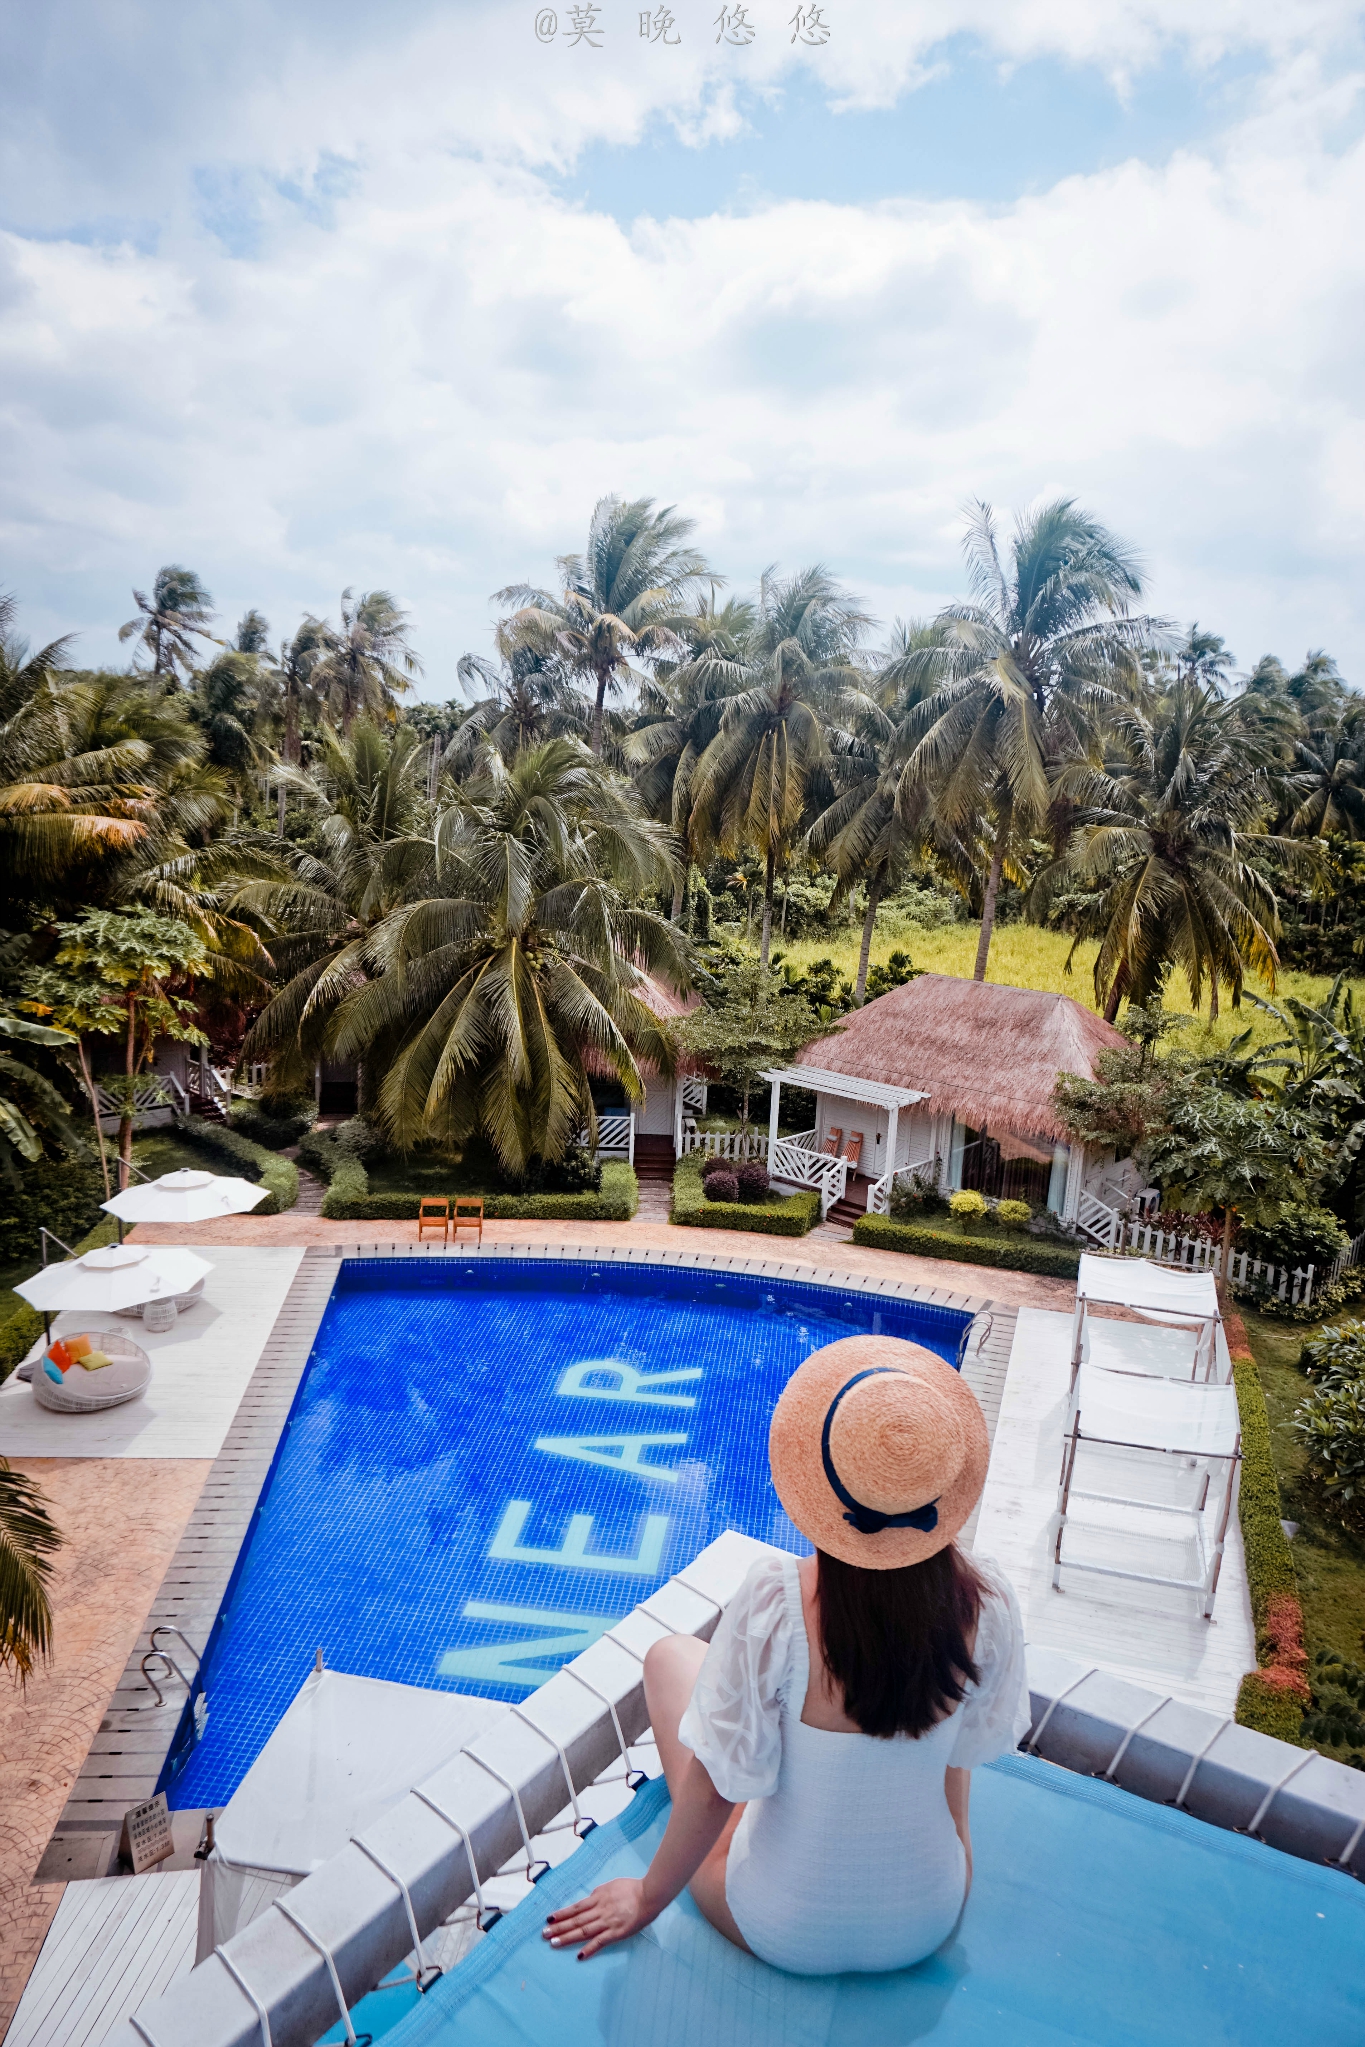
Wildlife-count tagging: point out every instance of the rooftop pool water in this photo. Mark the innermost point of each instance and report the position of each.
(487, 1465)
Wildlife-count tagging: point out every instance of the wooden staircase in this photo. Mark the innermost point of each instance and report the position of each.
(655, 1158)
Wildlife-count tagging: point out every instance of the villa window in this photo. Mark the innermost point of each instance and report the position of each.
(1009, 1167)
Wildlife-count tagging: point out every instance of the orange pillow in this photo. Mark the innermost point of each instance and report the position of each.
(77, 1346)
(61, 1356)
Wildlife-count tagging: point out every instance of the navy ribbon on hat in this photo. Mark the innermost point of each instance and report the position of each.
(868, 1520)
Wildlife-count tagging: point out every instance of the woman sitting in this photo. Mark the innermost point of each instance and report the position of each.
(819, 1752)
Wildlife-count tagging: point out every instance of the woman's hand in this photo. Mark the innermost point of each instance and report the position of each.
(613, 1912)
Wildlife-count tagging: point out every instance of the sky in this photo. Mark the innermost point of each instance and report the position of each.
(305, 297)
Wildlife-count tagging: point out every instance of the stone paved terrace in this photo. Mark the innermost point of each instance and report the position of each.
(123, 1520)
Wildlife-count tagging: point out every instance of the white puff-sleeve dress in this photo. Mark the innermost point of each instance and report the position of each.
(846, 1856)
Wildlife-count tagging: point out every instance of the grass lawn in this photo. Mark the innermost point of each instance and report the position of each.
(415, 1174)
(1330, 1563)
(1023, 956)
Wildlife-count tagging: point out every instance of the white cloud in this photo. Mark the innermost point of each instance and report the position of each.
(425, 379)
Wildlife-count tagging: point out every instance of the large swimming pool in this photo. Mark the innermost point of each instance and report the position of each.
(488, 1464)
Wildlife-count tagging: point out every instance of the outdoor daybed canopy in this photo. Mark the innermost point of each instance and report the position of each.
(1177, 1333)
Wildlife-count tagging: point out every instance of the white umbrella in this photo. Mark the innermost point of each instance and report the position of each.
(185, 1197)
(117, 1276)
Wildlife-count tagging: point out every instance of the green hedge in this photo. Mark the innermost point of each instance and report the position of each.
(19, 1328)
(348, 1200)
(1020, 1253)
(1264, 1705)
(63, 1194)
(1270, 1561)
(1272, 1698)
(276, 1133)
(251, 1161)
(788, 1215)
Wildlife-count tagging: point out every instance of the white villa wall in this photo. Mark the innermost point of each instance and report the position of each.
(654, 1118)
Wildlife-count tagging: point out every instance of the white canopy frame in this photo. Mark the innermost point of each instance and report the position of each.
(790, 1160)
(1177, 1333)
(1170, 1433)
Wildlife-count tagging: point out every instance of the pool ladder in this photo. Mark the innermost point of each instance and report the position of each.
(169, 1665)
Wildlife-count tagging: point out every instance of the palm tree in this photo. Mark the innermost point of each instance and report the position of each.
(755, 778)
(491, 1002)
(1168, 837)
(27, 1542)
(532, 697)
(31, 1108)
(680, 713)
(226, 703)
(1021, 671)
(66, 800)
(1326, 784)
(368, 661)
(864, 835)
(178, 612)
(618, 600)
(376, 849)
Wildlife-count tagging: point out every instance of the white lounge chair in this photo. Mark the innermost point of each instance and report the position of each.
(1149, 1469)
(1169, 1326)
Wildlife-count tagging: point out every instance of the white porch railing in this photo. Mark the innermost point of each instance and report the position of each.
(880, 1192)
(793, 1159)
(155, 1099)
(615, 1138)
(727, 1144)
(802, 1166)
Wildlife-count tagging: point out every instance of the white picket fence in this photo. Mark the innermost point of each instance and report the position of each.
(1205, 1254)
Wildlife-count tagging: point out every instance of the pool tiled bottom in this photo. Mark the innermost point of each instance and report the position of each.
(486, 1467)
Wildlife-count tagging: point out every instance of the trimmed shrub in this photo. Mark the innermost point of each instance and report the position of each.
(721, 1187)
(717, 1164)
(249, 1161)
(615, 1201)
(63, 1194)
(578, 1172)
(1335, 1356)
(1012, 1253)
(1013, 1215)
(788, 1215)
(753, 1181)
(1269, 1701)
(276, 1129)
(1271, 1698)
(1330, 1423)
(967, 1206)
(916, 1199)
(1300, 1237)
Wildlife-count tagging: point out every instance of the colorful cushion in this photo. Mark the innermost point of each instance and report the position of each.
(60, 1355)
(78, 1345)
(95, 1360)
(52, 1371)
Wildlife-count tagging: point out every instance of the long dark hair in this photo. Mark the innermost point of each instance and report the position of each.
(897, 1641)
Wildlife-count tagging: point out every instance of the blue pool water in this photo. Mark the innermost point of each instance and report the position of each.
(486, 1466)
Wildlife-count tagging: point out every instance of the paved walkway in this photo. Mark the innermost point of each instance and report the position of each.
(825, 1248)
(121, 1520)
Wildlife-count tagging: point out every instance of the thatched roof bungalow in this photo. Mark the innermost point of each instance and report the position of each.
(972, 1067)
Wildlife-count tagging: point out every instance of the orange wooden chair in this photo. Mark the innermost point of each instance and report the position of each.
(833, 1139)
(468, 1215)
(853, 1150)
(433, 1214)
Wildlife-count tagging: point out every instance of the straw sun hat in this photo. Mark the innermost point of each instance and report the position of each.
(878, 1451)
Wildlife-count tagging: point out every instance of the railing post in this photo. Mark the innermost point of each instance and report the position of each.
(630, 1141)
